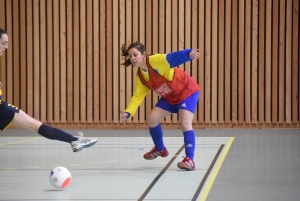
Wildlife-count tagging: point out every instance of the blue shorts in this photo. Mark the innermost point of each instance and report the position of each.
(7, 113)
(190, 104)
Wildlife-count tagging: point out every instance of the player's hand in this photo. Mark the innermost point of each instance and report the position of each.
(194, 54)
(123, 117)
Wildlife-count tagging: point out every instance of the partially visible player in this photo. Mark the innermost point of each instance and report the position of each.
(11, 115)
(178, 91)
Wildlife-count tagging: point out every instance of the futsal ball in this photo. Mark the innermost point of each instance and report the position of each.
(60, 177)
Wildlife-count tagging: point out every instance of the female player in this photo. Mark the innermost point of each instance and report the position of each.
(178, 93)
(11, 115)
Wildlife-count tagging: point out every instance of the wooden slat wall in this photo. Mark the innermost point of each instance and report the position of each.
(63, 62)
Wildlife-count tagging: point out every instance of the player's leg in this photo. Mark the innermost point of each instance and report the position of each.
(159, 112)
(186, 114)
(23, 120)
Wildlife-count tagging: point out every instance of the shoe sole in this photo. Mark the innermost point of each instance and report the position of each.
(85, 146)
(180, 166)
(155, 157)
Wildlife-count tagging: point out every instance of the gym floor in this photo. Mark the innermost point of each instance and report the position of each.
(232, 164)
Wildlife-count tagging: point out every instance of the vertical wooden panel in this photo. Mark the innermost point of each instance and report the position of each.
(254, 61)
(49, 81)
(15, 55)
(181, 11)
(36, 60)
(123, 34)
(268, 62)
(109, 56)
(56, 64)
(187, 32)
(69, 21)
(43, 57)
(214, 62)
(135, 24)
(96, 65)
(29, 46)
(23, 90)
(103, 61)
(288, 63)
(208, 62)
(248, 50)
(115, 65)
(261, 62)
(63, 61)
(241, 62)
(295, 63)
(221, 63)
(275, 50)
(76, 56)
(89, 61)
(201, 63)
(234, 62)
(227, 61)
(83, 62)
(281, 56)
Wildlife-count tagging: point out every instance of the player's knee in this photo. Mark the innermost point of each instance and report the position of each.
(152, 121)
(186, 125)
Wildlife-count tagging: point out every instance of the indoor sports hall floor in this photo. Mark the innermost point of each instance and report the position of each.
(232, 164)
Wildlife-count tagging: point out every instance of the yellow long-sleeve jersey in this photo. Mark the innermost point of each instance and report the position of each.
(160, 64)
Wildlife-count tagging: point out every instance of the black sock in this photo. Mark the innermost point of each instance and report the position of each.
(55, 134)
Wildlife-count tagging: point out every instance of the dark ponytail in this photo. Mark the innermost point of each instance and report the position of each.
(139, 46)
(125, 54)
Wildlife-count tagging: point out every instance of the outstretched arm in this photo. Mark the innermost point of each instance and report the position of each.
(180, 57)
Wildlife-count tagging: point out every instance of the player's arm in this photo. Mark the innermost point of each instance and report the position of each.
(180, 57)
(137, 98)
(163, 62)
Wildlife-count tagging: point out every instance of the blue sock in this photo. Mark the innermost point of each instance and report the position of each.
(55, 134)
(189, 143)
(157, 137)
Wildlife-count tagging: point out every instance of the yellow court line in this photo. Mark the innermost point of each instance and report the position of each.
(215, 172)
(19, 142)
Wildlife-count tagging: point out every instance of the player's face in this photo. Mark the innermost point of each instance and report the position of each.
(3, 44)
(136, 57)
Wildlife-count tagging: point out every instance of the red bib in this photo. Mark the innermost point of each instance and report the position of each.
(174, 91)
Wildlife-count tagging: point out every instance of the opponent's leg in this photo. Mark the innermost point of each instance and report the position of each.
(156, 133)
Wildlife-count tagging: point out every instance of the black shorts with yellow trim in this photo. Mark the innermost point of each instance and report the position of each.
(7, 113)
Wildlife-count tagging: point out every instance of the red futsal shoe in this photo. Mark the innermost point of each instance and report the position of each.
(154, 153)
(187, 164)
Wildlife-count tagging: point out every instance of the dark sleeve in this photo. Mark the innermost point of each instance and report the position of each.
(178, 58)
